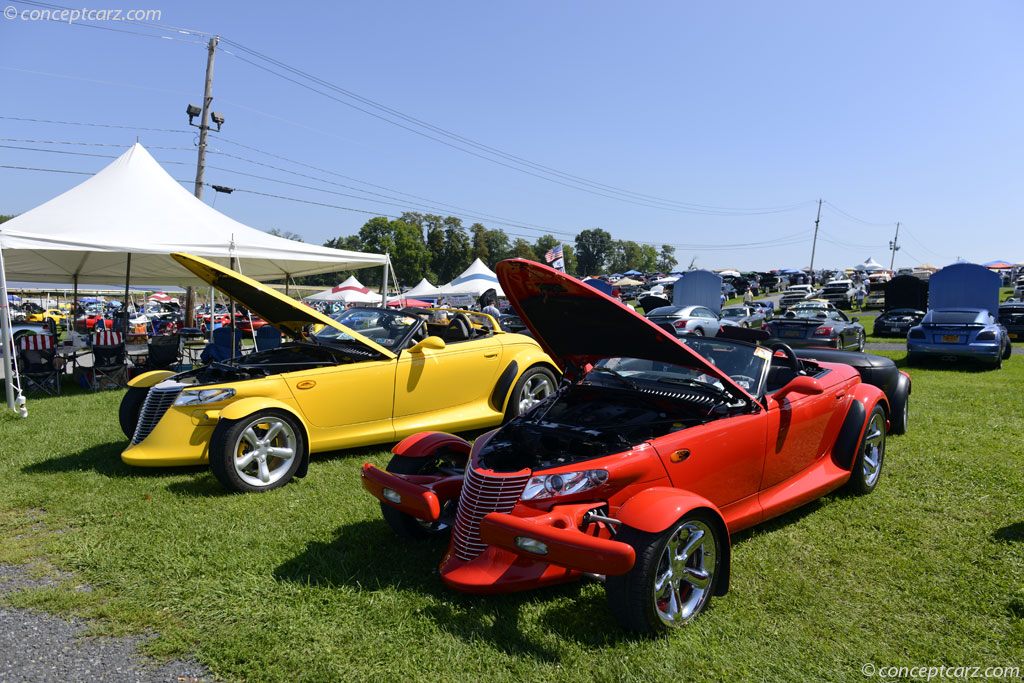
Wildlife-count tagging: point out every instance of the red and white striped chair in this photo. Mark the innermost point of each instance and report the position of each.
(37, 363)
(110, 360)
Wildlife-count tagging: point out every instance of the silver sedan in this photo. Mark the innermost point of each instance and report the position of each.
(696, 320)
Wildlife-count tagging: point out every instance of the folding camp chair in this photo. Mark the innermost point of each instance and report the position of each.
(163, 352)
(267, 337)
(110, 361)
(37, 361)
(220, 349)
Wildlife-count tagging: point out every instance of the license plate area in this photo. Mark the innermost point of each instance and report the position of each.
(792, 333)
(950, 338)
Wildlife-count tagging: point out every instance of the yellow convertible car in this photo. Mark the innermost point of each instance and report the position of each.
(370, 375)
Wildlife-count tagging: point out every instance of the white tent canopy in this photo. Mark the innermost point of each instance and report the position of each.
(351, 291)
(422, 290)
(133, 206)
(473, 281)
(869, 265)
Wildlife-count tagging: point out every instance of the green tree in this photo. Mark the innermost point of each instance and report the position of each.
(498, 246)
(287, 234)
(4, 219)
(570, 259)
(666, 259)
(479, 250)
(455, 250)
(648, 258)
(592, 248)
(522, 249)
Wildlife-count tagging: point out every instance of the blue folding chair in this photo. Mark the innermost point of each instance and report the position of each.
(267, 337)
(220, 349)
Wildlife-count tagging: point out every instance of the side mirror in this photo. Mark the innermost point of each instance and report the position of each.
(853, 320)
(801, 385)
(432, 343)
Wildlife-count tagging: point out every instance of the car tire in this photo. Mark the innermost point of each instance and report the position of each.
(131, 406)
(697, 332)
(900, 405)
(861, 341)
(1008, 351)
(867, 467)
(536, 384)
(912, 360)
(254, 469)
(998, 363)
(634, 598)
(405, 525)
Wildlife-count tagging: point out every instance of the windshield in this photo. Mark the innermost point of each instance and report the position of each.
(806, 313)
(387, 328)
(1011, 316)
(746, 364)
(734, 313)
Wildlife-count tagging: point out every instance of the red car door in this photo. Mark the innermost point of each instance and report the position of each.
(797, 428)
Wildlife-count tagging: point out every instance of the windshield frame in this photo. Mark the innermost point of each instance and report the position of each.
(330, 336)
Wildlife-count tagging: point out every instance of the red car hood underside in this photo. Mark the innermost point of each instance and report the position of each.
(576, 324)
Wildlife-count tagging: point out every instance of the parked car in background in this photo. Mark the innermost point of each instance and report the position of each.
(652, 452)
(842, 293)
(696, 320)
(961, 322)
(794, 294)
(371, 375)
(744, 315)
(897, 322)
(816, 324)
(875, 297)
(1011, 316)
(54, 314)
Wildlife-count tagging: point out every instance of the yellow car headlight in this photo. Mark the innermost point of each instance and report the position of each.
(194, 397)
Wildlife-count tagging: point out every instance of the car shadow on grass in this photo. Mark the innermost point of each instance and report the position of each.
(1010, 532)
(103, 459)
(363, 554)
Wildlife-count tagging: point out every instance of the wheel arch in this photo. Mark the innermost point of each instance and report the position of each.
(424, 444)
(247, 406)
(524, 362)
(655, 509)
(149, 379)
(863, 401)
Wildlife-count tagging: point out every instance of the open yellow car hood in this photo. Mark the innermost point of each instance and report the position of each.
(283, 312)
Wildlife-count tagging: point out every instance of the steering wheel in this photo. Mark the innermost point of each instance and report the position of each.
(794, 362)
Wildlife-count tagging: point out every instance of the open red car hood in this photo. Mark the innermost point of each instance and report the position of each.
(576, 324)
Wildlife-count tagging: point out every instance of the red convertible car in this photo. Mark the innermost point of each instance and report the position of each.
(651, 453)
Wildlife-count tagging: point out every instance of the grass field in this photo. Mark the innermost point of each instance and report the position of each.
(308, 583)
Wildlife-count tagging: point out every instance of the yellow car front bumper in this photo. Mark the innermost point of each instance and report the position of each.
(181, 437)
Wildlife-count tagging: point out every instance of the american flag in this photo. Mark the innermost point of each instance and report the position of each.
(553, 254)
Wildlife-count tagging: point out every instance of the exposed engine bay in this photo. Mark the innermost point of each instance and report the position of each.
(582, 422)
(287, 358)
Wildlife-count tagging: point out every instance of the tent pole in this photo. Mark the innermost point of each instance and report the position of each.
(384, 282)
(231, 305)
(5, 336)
(74, 304)
(287, 278)
(127, 279)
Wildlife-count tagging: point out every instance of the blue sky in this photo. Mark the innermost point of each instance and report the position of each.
(889, 111)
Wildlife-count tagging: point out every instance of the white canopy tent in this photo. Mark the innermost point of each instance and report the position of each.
(473, 281)
(351, 291)
(869, 265)
(123, 223)
(423, 290)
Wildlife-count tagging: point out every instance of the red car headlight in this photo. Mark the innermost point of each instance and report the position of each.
(551, 485)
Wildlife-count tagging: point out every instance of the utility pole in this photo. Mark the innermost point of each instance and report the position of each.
(895, 246)
(814, 244)
(204, 127)
(204, 122)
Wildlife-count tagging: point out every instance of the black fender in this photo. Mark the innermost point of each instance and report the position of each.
(504, 385)
(845, 448)
(898, 399)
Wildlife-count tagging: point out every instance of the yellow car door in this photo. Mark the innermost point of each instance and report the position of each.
(346, 405)
(450, 385)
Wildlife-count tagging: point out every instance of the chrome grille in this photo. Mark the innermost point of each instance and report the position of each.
(156, 404)
(481, 495)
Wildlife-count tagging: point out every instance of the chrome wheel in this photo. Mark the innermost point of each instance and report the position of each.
(685, 574)
(873, 449)
(264, 451)
(535, 389)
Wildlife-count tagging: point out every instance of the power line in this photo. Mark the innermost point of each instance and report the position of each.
(839, 211)
(91, 144)
(464, 144)
(97, 125)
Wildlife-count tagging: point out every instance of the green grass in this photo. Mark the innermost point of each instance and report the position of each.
(307, 582)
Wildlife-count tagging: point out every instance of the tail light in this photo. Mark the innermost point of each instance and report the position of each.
(764, 327)
(987, 335)
(823, 332)
(680, 324)
(916, 333)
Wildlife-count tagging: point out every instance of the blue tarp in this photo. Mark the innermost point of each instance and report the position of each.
(600, 285)
(964, 285)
